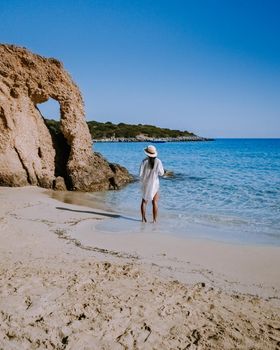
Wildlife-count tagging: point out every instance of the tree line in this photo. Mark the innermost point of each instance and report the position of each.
(100, 130)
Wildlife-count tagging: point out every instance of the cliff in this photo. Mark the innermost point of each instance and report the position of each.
(29, 153)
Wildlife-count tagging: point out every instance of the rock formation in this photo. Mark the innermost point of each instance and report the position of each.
(32, 154)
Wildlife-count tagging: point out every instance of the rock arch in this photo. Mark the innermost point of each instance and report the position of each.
(28, 150)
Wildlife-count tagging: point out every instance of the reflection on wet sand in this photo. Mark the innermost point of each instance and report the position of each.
(86, 199)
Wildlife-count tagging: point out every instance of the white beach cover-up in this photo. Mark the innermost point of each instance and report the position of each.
(149, 178)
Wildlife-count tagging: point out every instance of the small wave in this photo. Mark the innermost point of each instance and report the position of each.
(183, 177)
(194, 178)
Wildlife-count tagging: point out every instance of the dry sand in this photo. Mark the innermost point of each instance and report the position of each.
(65, 285)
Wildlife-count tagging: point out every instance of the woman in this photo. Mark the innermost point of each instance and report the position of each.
(151, 168)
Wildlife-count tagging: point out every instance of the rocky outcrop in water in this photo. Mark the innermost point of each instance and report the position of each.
(31, 153)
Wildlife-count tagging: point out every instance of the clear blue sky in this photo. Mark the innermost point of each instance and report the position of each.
(211, 67)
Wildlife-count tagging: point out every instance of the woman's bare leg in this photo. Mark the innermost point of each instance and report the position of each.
(143, 210)
(155, 207)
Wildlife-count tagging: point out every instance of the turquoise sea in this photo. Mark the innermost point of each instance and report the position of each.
(226, 190)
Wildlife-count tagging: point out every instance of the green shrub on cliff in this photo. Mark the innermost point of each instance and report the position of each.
(105, 130)
(100, 130)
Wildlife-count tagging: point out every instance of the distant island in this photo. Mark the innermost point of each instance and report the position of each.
(110, 132)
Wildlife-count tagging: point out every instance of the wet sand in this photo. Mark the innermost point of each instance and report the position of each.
(67, 285)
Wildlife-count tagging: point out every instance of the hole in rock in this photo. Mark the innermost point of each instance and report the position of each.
(50, 111)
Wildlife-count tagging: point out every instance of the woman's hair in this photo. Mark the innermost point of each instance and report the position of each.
(151, 162)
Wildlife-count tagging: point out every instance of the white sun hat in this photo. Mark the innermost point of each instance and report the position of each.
(150, 151)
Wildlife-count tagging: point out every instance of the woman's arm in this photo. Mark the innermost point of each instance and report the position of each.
(141, 170)
(160, 168)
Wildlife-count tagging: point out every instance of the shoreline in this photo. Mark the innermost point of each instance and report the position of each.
(130, 221)
(244, 266)
(58, 289)
(155, 140)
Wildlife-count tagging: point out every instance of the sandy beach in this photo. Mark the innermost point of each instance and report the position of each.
(65, 284)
